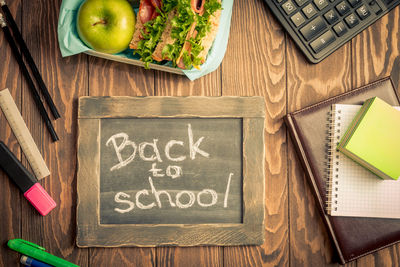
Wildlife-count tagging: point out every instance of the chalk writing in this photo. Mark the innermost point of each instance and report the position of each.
(168, 147)
(193, 147)
(119, 200)
(174, 171)
(125, 142)
(178, 203)
(171, 170)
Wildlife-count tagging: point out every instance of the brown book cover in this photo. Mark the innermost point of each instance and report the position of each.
(352, 237)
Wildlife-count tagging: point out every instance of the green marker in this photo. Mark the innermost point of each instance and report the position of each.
(37, 252)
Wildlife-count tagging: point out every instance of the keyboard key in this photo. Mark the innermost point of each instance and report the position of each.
(313, 28)
(310, 10)
(298, 19)
(355, 3)
(322, 41)
(331, 16)
(301, 2)
(321, 4)
(289, 7)
(343, 8)
(375, 7)
(388, 2)
(351, 20)
(363, 12)
(340, 29)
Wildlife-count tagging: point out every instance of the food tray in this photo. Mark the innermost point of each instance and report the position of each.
(70, 43)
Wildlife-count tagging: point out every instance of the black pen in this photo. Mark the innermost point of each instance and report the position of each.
(31, 85)
(29, 59)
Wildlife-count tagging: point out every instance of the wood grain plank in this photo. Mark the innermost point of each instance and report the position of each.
(167, 84)
(255, 65)
(108, 78)
(10, 196)
(312, 244)
(377, 50)
(66, 80)
(307, 84)
(140, 257)
(376, 53)
(169, 107)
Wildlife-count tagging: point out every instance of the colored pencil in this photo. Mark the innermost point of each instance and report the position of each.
(31, 85)
(25, 51)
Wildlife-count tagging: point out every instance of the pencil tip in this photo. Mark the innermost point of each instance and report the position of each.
(2, 21)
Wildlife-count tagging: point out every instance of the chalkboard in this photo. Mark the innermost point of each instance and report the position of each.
(165, 170)
(170, 171)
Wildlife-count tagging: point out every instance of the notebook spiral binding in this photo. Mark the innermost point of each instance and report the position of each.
(332, 159)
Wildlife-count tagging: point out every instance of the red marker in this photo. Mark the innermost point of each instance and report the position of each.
(28, 184)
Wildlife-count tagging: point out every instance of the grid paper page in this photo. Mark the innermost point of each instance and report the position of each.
(355, 190)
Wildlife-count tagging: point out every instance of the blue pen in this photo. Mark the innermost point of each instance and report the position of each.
(37, 252)
(27, 261)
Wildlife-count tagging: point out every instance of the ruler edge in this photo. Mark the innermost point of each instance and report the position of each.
(42, 171)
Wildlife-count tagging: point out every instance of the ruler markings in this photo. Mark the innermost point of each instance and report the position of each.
(23, 135)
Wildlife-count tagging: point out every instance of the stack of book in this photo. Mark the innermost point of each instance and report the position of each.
(358, 201)
(363, 160)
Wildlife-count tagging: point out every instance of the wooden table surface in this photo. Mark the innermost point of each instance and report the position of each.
(260, 60)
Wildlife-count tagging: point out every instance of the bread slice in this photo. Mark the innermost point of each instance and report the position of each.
(187, 46)
(210, 36)
(165, 38)
(137, 35)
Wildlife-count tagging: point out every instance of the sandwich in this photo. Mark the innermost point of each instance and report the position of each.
(181, 31)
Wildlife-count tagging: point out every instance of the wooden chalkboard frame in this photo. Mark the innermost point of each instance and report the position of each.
(90, 233)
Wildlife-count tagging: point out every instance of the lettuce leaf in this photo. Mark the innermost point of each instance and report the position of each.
(153, 31)
(180, 28)
(203, 27)
(181, 25)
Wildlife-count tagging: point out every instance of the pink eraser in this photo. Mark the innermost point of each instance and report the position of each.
(40, 199)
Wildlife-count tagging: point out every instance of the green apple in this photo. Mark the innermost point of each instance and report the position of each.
(106, 25)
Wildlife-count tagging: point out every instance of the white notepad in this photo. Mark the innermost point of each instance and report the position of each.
(352, 189)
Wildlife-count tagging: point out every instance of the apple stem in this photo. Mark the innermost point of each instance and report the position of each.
(100, 22)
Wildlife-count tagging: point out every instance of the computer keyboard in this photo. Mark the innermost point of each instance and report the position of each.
(319, 27)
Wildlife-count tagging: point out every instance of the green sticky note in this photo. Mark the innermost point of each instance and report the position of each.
(373, 139)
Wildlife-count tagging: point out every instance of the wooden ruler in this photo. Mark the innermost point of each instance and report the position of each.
(23, 135)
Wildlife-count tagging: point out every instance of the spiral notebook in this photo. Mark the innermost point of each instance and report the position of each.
(353, 237)
(352, 190)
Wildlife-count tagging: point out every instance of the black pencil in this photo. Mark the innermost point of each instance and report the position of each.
(29, 59)
(31, 85)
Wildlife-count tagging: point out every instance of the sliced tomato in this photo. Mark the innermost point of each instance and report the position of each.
(156, 3)
(154, 15)
(180, 63)
(146, 10)
(197, 6)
